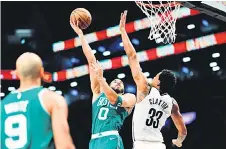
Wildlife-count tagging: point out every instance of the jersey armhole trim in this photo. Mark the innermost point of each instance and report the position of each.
(94, 100)
(174, 102)
(149, 91)
(41, 100)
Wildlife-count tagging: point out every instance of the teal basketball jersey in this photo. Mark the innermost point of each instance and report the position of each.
(105, 116)
(25, 123)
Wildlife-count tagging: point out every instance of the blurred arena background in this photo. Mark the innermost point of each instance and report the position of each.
(198, 58)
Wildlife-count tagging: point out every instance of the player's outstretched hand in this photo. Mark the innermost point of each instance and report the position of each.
(98, 69)
(177, 143)
(122, 23)
(76, 28)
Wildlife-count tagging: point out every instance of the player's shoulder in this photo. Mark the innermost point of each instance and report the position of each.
(174, 101)
(49, 93)
(7, 98)
(129, 95)
(53, 98)
(175, 107)
(154, 90)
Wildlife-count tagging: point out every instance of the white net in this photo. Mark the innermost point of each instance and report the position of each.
(162, 17)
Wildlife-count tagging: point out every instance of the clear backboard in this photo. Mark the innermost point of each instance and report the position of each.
(216, 9)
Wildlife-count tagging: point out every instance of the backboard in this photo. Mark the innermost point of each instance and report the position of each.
(216, 9)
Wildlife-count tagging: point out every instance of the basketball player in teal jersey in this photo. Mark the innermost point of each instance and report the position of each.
(33, 117)
(110, 106)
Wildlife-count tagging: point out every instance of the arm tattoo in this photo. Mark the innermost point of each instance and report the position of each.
(142, 95)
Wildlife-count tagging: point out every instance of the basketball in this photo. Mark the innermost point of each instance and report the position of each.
(83, 16)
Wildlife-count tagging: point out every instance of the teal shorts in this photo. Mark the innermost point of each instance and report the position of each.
(107, 142)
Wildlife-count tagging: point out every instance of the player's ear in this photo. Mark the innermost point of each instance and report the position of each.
(14, 72)
(42, 72)
(158, 84)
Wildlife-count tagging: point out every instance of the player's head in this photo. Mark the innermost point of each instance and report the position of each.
(29, 66)
(118, 86)
(164, 81)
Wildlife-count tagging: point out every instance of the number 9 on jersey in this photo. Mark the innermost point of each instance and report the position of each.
(16, 131)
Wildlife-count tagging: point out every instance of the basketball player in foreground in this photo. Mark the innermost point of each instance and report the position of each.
(110, 106)
(33, 117)
(154, 105)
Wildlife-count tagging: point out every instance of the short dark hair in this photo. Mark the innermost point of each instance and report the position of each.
(167, 80)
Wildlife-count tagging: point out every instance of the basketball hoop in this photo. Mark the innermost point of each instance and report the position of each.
(162, 16)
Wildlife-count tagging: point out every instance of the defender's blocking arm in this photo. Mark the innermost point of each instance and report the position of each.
(138, 76)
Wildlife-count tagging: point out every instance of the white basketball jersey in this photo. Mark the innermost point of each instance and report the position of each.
(150, 116)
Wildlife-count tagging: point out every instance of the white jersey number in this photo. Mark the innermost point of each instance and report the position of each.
(103, 113)
(154, 117)
(16, 126)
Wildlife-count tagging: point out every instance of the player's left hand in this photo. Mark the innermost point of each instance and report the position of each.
(177, 143)
(98, 69)
(122, 23)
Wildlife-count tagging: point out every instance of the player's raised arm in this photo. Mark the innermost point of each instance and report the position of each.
(58, 110)
(138, 76)
(126, 100)
(89, 56)
(179, 123)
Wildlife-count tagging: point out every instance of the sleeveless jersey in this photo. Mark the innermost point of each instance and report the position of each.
(150, 115)
(25, 122)
(105, 116)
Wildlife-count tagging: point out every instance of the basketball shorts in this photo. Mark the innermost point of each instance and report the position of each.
(148, 145)
(110, 141)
